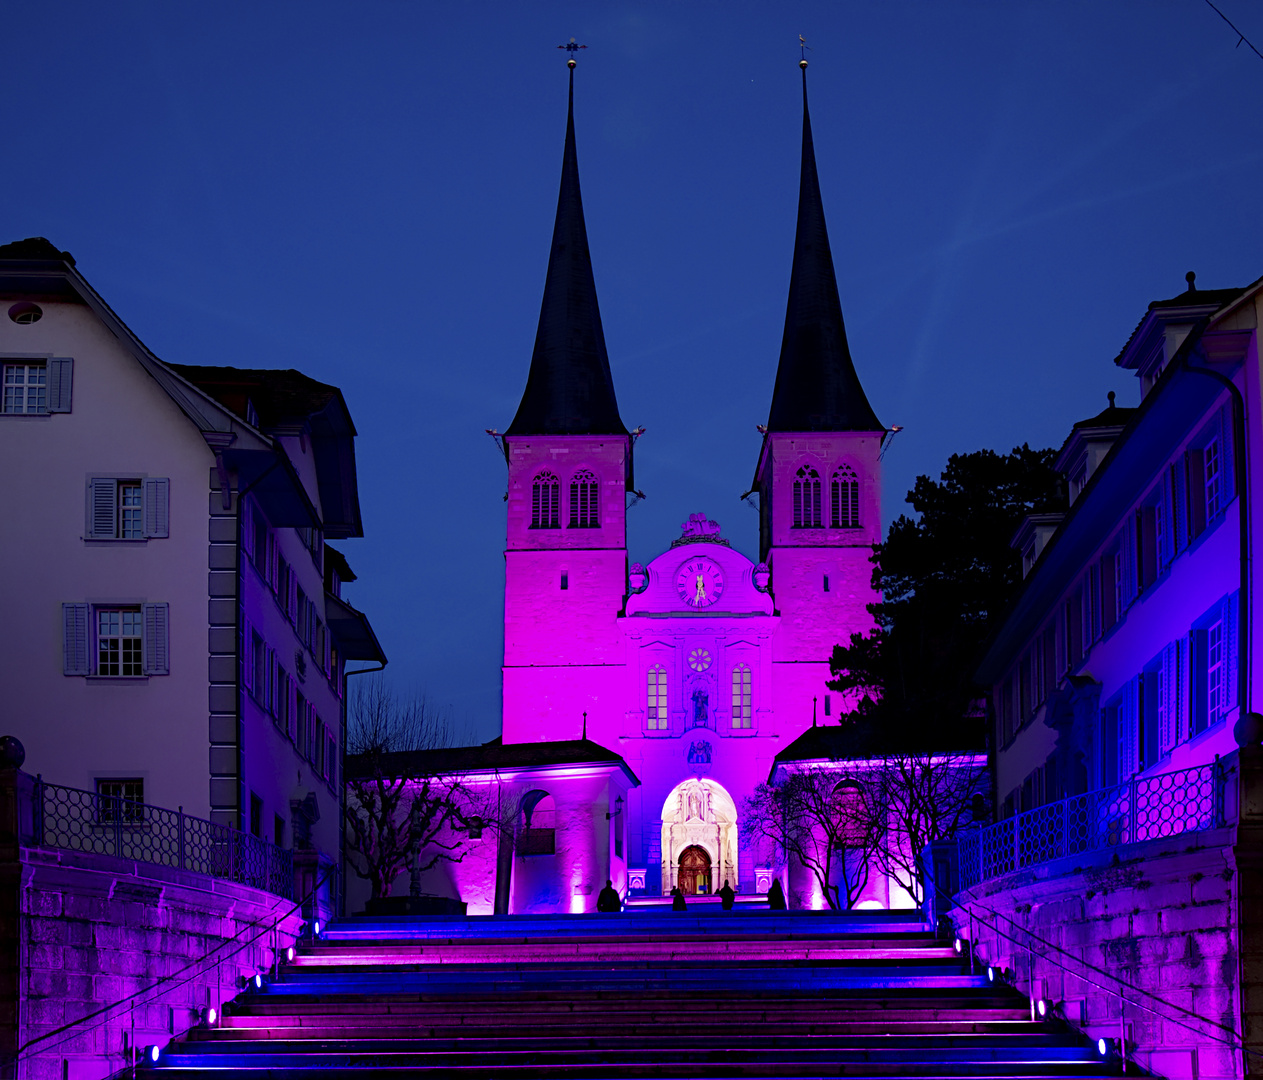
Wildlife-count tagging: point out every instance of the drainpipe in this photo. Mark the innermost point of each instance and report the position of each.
(342, 861)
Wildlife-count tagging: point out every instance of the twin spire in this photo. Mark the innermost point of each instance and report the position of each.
(570, 390)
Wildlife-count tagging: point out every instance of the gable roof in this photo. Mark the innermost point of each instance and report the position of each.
(492, 756)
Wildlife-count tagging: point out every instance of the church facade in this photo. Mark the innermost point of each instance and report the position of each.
(699, 667)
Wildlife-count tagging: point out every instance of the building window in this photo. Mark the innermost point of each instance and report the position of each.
(1214, 478)
(656, 711)
(120, 800)
(25, 389)
(845, 491)
(119, 642)
(119, 509)
(546, 502)
(807, 499)
(584, 496)
(741, 712)
(537, 835)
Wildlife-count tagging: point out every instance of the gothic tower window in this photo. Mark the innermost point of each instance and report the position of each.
(741, 712)
(807, 499)
(845, 489)
(546, 502)
(584, 492)
(656, 711)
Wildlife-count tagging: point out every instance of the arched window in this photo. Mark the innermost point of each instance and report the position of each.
(546, 502)
(584, 492)
(656, 709)
(851, 809)
(807, 499)
(537, 832)
(741, 712)
(846, 498)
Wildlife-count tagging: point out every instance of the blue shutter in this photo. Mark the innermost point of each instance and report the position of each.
(157, 645)
(60, 369)
(1227, 458)
(1231, 671)
(1166, 703)
(1128, 716)
(157, 506)
(102, 508)
(74, 620)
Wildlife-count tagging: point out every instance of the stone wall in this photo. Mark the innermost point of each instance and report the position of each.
(1161, 915)
(95, 930)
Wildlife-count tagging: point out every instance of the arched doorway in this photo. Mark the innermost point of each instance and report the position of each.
(698, 813)
(694, 875)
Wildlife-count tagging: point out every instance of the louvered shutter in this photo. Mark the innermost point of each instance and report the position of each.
(1128, 716)
(60, 369)
(157, 645)
(74, 619)
(1128, 547)
(157, 498)
(247, 657)
(1227, 459)
(1166, 702)
(1231, 671)
(102, 509)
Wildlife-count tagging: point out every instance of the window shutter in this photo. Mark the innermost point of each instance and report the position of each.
(1227, 459)
(60, 369)
(102, 508)
(1195, 478)
(1179, 509)
(157, 645)
(1230, 628)
(1127, 744)
(157, 507)
(247, 656)
(74, 618)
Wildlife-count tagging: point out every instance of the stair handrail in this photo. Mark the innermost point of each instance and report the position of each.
(174, 978)
(1236, 1041)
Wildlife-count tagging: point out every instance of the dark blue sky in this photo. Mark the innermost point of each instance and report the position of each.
(366, 192)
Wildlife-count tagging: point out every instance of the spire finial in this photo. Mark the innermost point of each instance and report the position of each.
(585, 714)
(1191, 278)
(571, 48)
(803, 48)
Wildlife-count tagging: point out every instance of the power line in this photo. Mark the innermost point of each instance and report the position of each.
(1240, 36)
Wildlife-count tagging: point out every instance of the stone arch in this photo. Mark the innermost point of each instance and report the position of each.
(699, 812)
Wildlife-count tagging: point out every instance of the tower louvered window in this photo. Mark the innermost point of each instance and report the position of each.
(656, 711)
(546, 502)
(807, 508)
(741, 712)
(845, 490)
(584, 495)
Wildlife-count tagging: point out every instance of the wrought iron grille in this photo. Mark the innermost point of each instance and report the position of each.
(1145, 808)
(110, 825)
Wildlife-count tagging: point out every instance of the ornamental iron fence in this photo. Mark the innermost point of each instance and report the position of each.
(78, 820)
(1144, 808)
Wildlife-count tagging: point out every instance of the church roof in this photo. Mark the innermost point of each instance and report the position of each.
(816, 385)
(495, 754)
(569, 390)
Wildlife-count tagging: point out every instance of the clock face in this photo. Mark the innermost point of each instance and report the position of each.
(699, 582)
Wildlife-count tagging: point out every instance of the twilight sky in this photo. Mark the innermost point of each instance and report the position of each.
(366, 193)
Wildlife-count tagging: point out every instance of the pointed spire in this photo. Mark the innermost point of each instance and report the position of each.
(569, 390)
(816, 385)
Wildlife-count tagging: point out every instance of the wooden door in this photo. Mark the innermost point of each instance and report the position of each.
(694, 871)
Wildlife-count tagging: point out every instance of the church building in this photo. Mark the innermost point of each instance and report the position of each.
(675, 683)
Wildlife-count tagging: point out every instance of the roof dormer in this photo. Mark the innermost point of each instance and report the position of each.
(1032, 537)
(1090, 440)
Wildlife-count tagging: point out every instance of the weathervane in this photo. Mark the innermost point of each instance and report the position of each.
(571, 48)
(803, 47)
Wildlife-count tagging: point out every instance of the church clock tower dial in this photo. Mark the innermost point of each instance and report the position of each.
(699, 582)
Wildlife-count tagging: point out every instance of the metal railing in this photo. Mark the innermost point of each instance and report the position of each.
(78, 820)
(1144, 808)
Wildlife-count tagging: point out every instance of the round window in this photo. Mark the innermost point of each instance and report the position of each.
(699, 659)
(26, 312)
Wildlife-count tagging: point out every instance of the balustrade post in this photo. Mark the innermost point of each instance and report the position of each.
(180, 835)
(117, 802)
(37, 815)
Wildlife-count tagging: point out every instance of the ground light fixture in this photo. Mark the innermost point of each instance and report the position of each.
(958, 946)
(151, 1054)
(991, 974)
(289, 953)
(258, 982)
(315, 928)
(209, 1015)
(1041, 1007)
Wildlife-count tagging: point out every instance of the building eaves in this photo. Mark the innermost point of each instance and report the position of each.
(492, 756)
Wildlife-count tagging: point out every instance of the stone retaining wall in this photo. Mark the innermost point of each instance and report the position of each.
(1160, 915)
(95, 930)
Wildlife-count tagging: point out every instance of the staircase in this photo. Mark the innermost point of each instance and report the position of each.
(647, 993)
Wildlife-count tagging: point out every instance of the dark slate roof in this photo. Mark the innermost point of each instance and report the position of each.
(816, 385)
(35, 249)
(1112, 416)
(279, 396)
(569, 390)
(493, 755)
(830, 743)
(1198, 301)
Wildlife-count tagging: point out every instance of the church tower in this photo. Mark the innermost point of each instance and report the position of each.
(570, 466)
(818, 475)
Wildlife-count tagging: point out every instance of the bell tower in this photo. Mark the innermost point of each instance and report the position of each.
(570, 466)
(818, 476)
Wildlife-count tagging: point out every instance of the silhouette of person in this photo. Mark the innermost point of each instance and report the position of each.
(727, 896)
(608, 899)
(776, 896)
(677, 902)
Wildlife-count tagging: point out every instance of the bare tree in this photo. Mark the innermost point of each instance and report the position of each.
(830, 822)
(402, 805)
(928, 797)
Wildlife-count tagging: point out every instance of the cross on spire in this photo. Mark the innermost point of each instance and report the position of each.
(571, 48)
